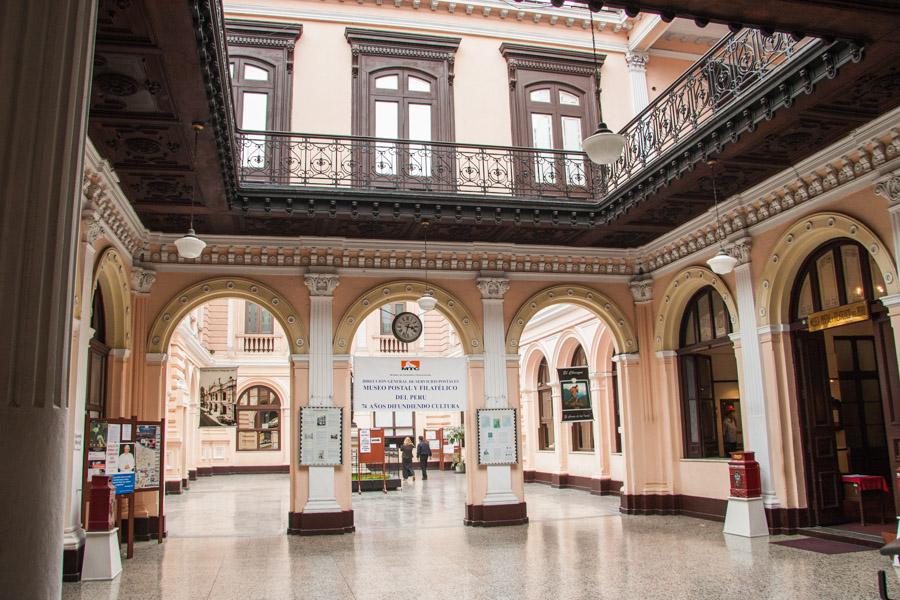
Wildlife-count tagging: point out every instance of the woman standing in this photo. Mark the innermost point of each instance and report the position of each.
(406, 452)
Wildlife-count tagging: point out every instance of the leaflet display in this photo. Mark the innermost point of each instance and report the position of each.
(497, 443)
(129, 452)
(321, 431)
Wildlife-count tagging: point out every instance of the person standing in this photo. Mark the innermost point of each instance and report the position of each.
(406, 455)
(424, 452)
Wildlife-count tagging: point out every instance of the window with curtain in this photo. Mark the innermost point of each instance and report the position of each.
(583, 431)
(258, 419)
(257, 319)
(546, 436)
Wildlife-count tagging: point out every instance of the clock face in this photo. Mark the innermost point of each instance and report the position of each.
(407, 327)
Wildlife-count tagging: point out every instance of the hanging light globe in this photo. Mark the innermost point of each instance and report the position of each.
(722, 263)
(603, 147)
(427, 301)
(190, 246)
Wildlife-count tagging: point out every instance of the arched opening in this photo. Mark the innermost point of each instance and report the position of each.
(848, 389)
(98, 354)
(566, 338)
(710, 398)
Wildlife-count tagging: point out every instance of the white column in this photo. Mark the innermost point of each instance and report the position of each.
(499, 478)
(46, 47)
(637, 73)
(753, 390)
(321, 381)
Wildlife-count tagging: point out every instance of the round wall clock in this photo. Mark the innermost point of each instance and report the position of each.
(407, 327)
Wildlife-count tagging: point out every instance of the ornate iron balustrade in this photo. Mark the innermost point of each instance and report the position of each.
(727, 73)
(376, 164)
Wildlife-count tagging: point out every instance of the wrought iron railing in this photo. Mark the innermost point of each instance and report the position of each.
(373, 164)
(728, 72)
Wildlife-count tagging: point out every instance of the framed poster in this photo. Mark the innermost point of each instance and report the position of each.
(575, 388)
(218, 397)
(497, 442)
(148, 452)
(321, 436)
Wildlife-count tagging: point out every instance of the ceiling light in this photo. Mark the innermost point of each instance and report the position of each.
(190, 246)
(722, 263)
(603, 146)
(427, 301)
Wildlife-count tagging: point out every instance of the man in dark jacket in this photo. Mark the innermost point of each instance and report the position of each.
(424, 452)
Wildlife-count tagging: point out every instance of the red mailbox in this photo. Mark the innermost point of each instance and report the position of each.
(743, 473)
(101, 515)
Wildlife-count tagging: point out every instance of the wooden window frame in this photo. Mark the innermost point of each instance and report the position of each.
(544, 387)
(239, 408)
(247, 308)
(374, 51)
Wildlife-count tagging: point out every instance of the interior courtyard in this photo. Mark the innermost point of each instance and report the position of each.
(487, 299)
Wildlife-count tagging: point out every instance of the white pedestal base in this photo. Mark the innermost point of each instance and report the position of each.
(746, 517)
(102, 560)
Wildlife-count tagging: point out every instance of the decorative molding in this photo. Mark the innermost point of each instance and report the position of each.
(679, 292)
(492, 287)
(111, 276)
(262, 34)
(596, 302)
(225, 287)
(740, 250)
(321, 284)
(398, 44)
(548, 60)
(637, 61)
(142, 280)
(468, 329)
(641, 289)
(889, 187)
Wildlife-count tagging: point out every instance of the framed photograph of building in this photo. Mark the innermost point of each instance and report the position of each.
(218, 397)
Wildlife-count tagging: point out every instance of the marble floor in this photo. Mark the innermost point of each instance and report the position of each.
(226, 541)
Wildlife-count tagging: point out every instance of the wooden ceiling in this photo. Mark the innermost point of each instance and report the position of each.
(150, 84)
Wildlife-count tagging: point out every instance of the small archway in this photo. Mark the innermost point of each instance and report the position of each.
(111, 278)
(679, 292)
(225, 287)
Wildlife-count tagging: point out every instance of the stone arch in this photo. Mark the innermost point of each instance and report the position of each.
(113, 280)
(531, 363)
(787, 257)
(225, 287)
(680, 291)
(602, 350)
(396, 291)
(599, 304)
(564, 348)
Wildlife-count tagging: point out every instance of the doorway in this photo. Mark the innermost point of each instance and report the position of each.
(848, 393)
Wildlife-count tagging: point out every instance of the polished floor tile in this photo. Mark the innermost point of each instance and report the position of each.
(227, 541)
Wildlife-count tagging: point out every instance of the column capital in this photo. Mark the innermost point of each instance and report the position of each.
(142, 280)
(740, 249)
(156, 358)
(492, 287)
(637, 61)
(627, 359)
(321, 284)
(888, 187)
(93, 230)
(641, 289)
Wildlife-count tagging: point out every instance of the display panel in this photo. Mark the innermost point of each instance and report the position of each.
(497, 441)
(576, 394)
(321, 436)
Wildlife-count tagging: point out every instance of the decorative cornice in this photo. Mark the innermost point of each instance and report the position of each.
(321, 284)
(262, 34)
(641, 289)
(492, 287)
(889, 187)
(740, 250)
(549, 60)
(142, 280)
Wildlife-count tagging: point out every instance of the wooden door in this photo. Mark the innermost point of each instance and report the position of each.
(824, 489)
(886, 355)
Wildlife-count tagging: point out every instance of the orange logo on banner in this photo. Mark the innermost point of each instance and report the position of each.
(409, 365)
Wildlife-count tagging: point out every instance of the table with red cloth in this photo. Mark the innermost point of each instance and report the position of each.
(866, 483)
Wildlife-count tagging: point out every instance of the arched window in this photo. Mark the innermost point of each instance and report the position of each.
(710, 401)
(583, 431)
(98, 351)
(839, 273)
(546, 437)
(259, 419)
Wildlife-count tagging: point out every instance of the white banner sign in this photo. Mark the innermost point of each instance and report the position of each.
(403, 384)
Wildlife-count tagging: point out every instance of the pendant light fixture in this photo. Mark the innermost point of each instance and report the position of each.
(603, 147)
(427, 301)
(722, 263)
(190, 246)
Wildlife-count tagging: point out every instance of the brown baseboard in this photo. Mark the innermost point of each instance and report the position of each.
(184, 484)
(242, 470)
(192, 474)
(786, 521)
(73, 559)
(321, 523)
(173, 487)
(480, 515)
(595, 485)
(648, 504)
(145, 529)
(711, 509)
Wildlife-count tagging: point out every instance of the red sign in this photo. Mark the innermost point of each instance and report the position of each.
(371, 446)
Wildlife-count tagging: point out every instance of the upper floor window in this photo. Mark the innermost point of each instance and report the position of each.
(546, 435)
(257, 319)
(258, 419)
(387, 314)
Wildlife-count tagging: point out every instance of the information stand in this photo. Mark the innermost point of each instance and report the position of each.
(435, 439)
(130, 451)
(371, 452)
